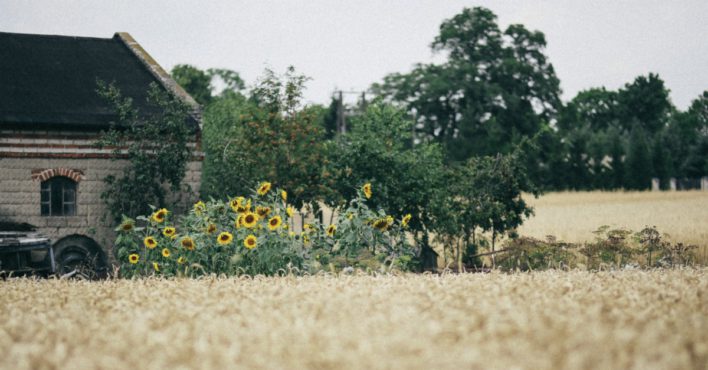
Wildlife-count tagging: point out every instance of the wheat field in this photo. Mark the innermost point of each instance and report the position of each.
(572, 216)
(637, 319)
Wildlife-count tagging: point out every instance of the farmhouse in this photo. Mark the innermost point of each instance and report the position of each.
(51, 174)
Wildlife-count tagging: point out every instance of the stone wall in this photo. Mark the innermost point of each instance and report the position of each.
(27, 158)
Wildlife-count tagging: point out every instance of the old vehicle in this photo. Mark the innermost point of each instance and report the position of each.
(23, 251)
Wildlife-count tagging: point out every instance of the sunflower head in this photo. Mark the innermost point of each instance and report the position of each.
(150, 242)
(406, 219)
(156, 266)
(331, 230)
(127, 225)
(290, 211)
(159, 215)
(367, 190)
(169, 232)
(264, 188)
(274, 223)
(211, 228)
(250, 241)
(199, 208)
(236, 203)
(262, 211)
(224, 238)
(181, 260)
(284, 195)
(187, 243)
(166, 253)
(133, 258)
(249, 220)
(380, 224)
(244, 207)
(389, 221)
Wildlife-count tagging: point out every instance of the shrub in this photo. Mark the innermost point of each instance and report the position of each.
(253, 235)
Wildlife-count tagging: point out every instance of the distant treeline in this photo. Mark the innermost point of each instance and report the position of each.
(498, 87)
(497, 90)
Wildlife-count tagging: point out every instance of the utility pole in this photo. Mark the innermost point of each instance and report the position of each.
(341, 124)
(341, 114)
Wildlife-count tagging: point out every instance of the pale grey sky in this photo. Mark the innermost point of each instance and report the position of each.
(350, 44)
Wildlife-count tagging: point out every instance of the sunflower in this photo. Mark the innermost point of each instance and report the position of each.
(262, 211)
(211, 228)
(406, 219)
(181, 260)
(305, 238)
(166, 253)
(133, 258)
(284, 195)
(367, 190)
(127, 225)
(188, 243)
(331, 229)
(290, 211)
(389, 221)
(307, 227)
(169, 232)
(235, 204)
(264, 188)
(156, 266)
(250, 241)
(244, 207)
(199, 207)
(150, 242)
(159, 215)
(249, 220)
(224, 238)
(274, 223)
(380, 224)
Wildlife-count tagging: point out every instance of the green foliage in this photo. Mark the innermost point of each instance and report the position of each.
(377, 150)
(494, 89)
(214, 239)
(153, 142)
(486, 195)
(200, 84)
(638, 169)
(267, 136)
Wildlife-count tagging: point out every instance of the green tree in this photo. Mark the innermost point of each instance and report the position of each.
(494, 89)
(485, 195)
(405, 180)
(195, 81)
(200, 84)
(638, 168)
(155, 144)
(269, 136)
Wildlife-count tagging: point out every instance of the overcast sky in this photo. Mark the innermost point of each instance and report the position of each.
(350, 44)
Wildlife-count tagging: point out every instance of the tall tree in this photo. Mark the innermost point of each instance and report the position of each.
(494, 89)
(638, 167)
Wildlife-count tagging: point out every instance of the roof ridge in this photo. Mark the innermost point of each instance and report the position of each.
(55, 36)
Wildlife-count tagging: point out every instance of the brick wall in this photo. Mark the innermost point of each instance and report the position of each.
(24, 161)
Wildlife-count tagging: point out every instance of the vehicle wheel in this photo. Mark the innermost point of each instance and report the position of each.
(79, 258)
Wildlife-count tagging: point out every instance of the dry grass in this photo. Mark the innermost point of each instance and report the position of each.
(572, 216)
(544, 320)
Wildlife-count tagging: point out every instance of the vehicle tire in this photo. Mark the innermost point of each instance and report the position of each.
(79, 257)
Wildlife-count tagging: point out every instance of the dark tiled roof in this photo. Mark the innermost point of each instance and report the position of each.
(51, 80)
